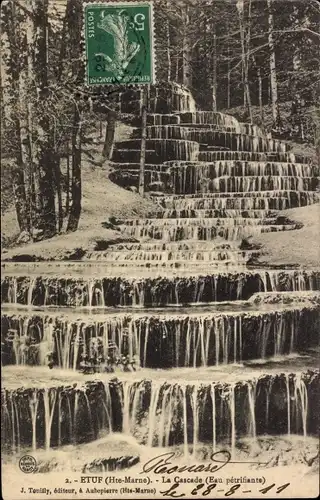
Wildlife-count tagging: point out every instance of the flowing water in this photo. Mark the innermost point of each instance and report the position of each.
(222, 350)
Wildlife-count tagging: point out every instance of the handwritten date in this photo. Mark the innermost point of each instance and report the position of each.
(173, 491)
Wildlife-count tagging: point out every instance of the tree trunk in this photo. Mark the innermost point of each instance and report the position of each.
(273, 70)
(109, 136)
(57, 175)
(63, 45)
(68, 181)
(245, 48)
(45, 167)
(143, 141)
(214, 68)
(260, 93)
(20, 199)
(228, 77)
(247, 59)
(3, 116)
(18, 110)
(35, 202)
(186, 53)
(74, 20)
(257, 69)
(177, 68)
(21, 179)
(296, 63)
(76, 188)
(22, 174)
(240, 7)
(168, 45)
(46, 218)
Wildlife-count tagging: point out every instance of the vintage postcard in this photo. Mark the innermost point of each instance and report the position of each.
(160, 249)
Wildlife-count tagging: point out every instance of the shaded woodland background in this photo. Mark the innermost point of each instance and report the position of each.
(255, 59)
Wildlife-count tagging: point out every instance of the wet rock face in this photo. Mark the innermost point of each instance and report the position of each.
(221, 155)
(189, 178)
(154, 291)
(161, 341)
(263, 200)
(166, 98)
(101, 465)
(214, 179)
(42, 418)
(205, 228)
(230, 165)
(176, 254)
(286, 298)
(157, 151)
(160, 413)
(221, 139)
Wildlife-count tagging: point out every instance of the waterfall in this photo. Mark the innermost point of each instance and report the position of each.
(162, 436)
(59, 418)
(15, 426)
(49, 400)
(281, 157)
(70, 420)
(236, 176)
(195, 418)
(12, 292)
(147, 330)
(152, 419)
(130, 405)
(148, 291)
(263, 200)
(126, 408)
(107, 405)
(300, 392)
(33, 403)
(252, 402)
(170, 97)
(179, 297)
(287, 382)
(171, 401)
(231, 404)
(30, 291)
(213, 402)
(186, 339)
(76, 408)
(166, 406)
(185, 420)
(231, 229)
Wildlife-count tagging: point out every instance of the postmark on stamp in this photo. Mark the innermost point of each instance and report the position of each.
(119, 43)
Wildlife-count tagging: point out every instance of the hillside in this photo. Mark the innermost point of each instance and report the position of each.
(298, 247)
(101, 200)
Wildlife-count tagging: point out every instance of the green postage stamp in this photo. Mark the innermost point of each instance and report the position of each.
(119, 43)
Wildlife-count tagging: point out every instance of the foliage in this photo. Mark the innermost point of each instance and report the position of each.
(219, 48)
(47, 114)
(296, 39)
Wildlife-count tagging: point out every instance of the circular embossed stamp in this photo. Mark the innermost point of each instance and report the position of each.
(27, 464)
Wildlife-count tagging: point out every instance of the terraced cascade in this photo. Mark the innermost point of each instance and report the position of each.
(221, 350)
(226, 179)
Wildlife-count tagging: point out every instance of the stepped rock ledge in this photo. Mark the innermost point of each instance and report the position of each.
(218, 348)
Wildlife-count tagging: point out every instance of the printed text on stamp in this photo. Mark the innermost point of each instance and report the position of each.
(119, 43)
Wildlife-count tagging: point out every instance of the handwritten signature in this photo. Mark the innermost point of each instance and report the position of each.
(162, 464)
